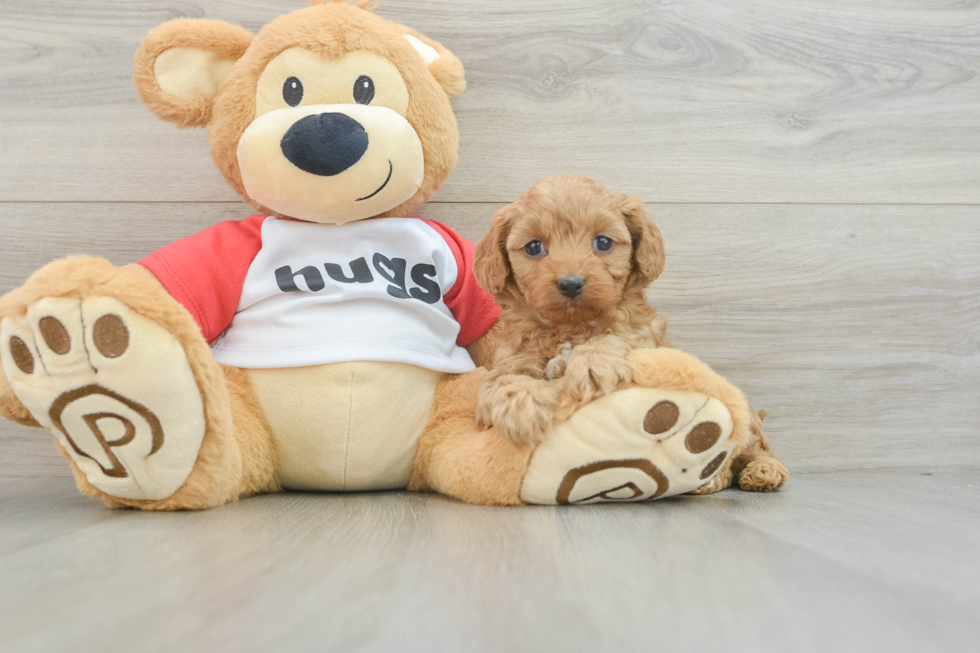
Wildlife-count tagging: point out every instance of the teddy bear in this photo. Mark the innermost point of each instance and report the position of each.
(331, 341)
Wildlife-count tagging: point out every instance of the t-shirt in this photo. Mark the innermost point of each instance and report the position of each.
(271, 293)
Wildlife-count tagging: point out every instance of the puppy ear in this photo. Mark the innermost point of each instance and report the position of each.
(443, 64)
(490, 265)
(648, 244)
(180, 65)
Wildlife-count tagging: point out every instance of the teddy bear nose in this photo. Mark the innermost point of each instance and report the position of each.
(325, 144)
(571, 286)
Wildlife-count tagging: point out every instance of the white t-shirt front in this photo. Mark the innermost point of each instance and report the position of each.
(392, 289)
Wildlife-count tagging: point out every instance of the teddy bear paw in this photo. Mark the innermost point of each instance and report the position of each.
(633, 445)
(114, 387)
(721, 481)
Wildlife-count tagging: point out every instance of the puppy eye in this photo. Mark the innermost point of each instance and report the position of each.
(292, 91)
(364, 90)
(535, 249)
(602, 243)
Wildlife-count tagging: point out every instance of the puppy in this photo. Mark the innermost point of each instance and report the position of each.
(568, 263)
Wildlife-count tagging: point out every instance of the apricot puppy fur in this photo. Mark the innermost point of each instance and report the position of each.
(568, 263)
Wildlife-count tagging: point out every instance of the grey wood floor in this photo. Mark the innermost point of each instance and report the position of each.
(815, 168)
(840, 561)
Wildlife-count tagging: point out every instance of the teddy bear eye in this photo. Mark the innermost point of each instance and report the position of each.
(364, 90)
(535, 249)
(602, 243)
(292, 91)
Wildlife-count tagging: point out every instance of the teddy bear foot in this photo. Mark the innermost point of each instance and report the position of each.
(114, 387)
(721, 481)
(634, 445)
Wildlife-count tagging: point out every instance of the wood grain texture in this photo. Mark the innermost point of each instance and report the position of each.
(857, 327)
(783, 147)
(836, 562)
(695, 101)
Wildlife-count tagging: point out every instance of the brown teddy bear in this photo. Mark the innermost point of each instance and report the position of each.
(328, 343)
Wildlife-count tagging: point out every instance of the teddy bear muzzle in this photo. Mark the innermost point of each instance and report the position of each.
(331, 164)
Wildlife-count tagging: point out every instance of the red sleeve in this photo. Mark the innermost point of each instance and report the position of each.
(205, 272)
(472, 306)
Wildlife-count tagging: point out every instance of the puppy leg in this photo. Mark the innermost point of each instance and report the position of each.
(596, 368)
(518, 406)
(757, 468)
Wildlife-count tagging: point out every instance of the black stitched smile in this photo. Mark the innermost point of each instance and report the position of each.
(391, 169)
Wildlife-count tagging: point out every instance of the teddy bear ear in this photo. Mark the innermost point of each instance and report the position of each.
(180, 65)
(443, 64)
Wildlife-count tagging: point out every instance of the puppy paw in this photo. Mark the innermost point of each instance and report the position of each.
(596, 370)
(519, 407)
(555, 369)
(766, 474)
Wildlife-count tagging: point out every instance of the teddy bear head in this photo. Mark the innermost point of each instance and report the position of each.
(329, 114)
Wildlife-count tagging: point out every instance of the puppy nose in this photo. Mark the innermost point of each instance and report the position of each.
(325, 144)
(571, 286)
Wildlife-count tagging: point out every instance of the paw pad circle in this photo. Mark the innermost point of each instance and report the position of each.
(661, 418)
(55, 335)
(110, 335)
(713, 466)
(702, 437)
(21, 354)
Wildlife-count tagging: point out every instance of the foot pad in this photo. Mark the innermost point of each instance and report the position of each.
(114, 387)
(634, 445)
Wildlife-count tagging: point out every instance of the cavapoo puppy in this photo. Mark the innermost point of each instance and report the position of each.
(568, 263)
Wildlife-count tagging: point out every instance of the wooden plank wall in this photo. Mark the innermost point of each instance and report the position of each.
(814, 167)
